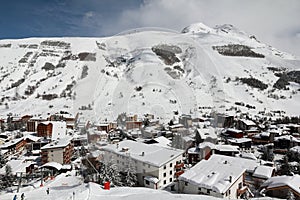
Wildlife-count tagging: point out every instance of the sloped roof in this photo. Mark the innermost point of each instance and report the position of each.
(215, 173)
(152, 154)
(263, 172)
(279, 181)
(55, 165)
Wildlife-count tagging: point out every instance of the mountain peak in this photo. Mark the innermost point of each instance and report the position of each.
(197, 28)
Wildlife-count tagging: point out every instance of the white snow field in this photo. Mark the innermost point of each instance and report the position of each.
(124, 74)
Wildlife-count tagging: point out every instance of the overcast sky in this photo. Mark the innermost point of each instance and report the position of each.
(275, 22)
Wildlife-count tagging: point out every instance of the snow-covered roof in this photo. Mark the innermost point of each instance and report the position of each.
(234, 130)
(55, 165)
(152, 154)
(263, 171)
(206, 144)
(207, 133)
(279, 181)
(295, 149)
(61, 143)
(163, 141)
(17, 166)
(215, 173)
(287, 137)
(176, 126)
(151, 179)
(10, 143)
(32, 138)
(239, 140)
(248, 122)
(248, 156)
(227, 147)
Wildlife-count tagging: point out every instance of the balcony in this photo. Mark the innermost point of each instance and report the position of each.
(242, 190)
(179, 166)
(179, 173)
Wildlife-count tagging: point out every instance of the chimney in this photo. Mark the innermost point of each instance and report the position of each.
(143, 153)
(230, 179)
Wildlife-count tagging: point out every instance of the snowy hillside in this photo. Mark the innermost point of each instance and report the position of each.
(147, 71)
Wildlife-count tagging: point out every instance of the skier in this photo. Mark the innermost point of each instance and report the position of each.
(47, 191)
(15, 197)
(22, 196)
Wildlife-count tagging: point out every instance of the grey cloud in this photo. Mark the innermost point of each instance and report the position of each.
(272, 21)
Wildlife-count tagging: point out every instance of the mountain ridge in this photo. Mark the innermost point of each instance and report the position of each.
(176, 73)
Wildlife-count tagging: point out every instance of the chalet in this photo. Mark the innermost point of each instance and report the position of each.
(51, 129)
(206, 149)
(244, 124)
(106, 126)
(14, 123)
(226, 150)
(14, 146)
(219, 176)
(33, 122)
(59, 151)
(133, 125)
(79, 140)
(95, 136)
(234, 133)
(156, 166)
(263, 138)
(281, 186)
(66, 117)
(25, 119)
(285, 142)
(176, 128)
(103, 127)
(244, 144)
(261, 174)
(31, 140)
(186, 121)
(150, 132)
(203, 151)
(206, 135)
(132, 118)
(294, 128)
(224, 120)
(20, 166)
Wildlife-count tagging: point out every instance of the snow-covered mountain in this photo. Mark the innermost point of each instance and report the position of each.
(148, 71)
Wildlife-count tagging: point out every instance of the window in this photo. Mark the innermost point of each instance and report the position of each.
(240, 185)
(165, 182)
(117, 161)
(199, 189)
(186, 183)
(171, 164)
(165, 174)
(144, 171)
(171, 179)
(208, 191)
(148, 166)
(147, 182)
(143, 164)
(165, 167)
(171, 172)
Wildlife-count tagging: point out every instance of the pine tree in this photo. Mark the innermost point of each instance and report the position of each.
(130, 177)
(7, 179)
(109, 172)
(286, 168)
(2, 160)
